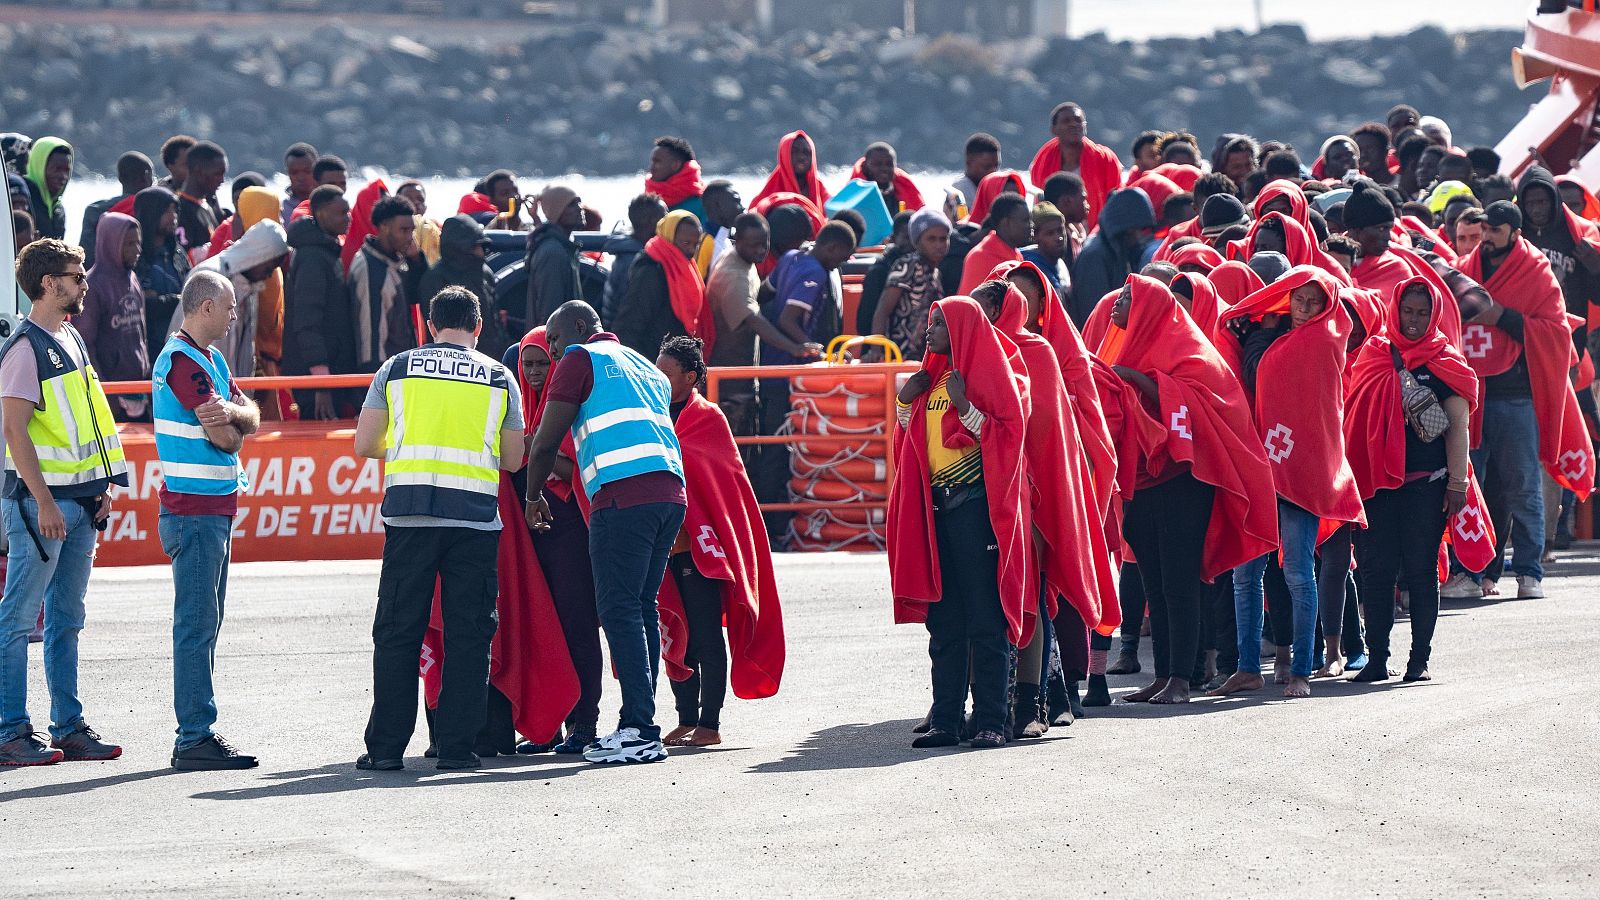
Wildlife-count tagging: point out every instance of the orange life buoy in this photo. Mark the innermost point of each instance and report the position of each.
(822, 490)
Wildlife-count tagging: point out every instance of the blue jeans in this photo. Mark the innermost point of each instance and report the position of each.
(199, 547)
(1507, 464)
(58, 585)
(1297, 530)
(630, 548)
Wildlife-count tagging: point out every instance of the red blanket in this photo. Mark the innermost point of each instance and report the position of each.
(1200, 256)
(685, 289)
(1190, 228)
(1158, 188)
(528, 659)
(1099, 167)
(1079, 377)
(1075, 560)
(1201, 420)
(783, 179)
(728, 542)
(992, 185)
(533, 410)
(1299, 397)
(1300, 248)
(361, 219)
(1369, 309)
(1180, 174)
(1525, 283)
(1234, 281)
(1204, 307)
(999, 390)
(905, 190)
(684, 184)
(982, 259)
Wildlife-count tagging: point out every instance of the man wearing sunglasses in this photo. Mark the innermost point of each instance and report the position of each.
(62, 457)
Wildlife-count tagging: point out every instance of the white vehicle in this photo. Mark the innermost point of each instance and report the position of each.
(13, 304)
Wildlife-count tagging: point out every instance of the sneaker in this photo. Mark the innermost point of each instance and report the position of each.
(1529, 588)
(212, 753)
(935, 738)
(466, 763)
(529, 748)
(26, 748)
(366, 763)
(83, 745)
(1356, 663)
(625, 745)
(985, 740)
(1460, 587)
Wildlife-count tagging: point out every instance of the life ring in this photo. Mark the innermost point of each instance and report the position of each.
(822, 490)
(864, 472)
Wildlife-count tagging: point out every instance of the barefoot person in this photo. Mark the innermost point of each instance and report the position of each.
(1202, 503)
(721, 567)
(1287, 342)
(1413, 484)
(958, 539)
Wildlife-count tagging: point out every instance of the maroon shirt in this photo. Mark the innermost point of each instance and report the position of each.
(192, 385)
(571, 382)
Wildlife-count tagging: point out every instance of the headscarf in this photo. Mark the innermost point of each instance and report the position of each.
(37, 158)
(783, 179)
(685, 290)
(923, 219)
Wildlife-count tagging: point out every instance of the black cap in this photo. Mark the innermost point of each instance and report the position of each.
(1366, 206)
(1220, 211)
(1503, 212)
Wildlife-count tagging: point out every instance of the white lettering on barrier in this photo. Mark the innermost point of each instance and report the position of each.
(342, 482)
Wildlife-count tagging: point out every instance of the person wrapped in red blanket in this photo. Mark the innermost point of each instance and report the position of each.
(1202, 487)
(720, 569)
(1521, 347)
(795, 173)
(958, 518)
(1071, 559)
(877, 165)
(1070, 150)
(1412, 488)
(1287, 343)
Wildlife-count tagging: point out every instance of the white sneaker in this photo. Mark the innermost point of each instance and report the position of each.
(1529, 588)
(624, 746)
(1460, 587)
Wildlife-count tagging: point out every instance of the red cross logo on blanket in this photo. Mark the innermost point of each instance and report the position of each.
(1469, 525)
(1180, 423)
(1574, 464)
(708, 542)
(1476, 341)
(1279, 442)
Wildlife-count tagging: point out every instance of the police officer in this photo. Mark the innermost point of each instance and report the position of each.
(446, 420)
(62, 456)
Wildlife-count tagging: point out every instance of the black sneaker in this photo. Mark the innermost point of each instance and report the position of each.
(469, 762)
(26, 748)
(529, 748)
(83, 745)
(935, 738)
(212, 753)
(577, 739)
(366, 763)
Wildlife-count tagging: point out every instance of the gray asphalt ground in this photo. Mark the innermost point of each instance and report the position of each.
(1482, 783)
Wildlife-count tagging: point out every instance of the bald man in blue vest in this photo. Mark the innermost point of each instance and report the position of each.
(615, 402)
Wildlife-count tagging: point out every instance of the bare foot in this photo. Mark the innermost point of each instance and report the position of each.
(1176, 691)
(703, 737)
(1299, 686)
(1333, 669)
(1239, 682)
(678, 737)
(1280, 666)
(1143, 695)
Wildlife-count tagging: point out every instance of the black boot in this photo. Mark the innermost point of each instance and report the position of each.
(1026, 712)
(1075, 703)
(1098, 694)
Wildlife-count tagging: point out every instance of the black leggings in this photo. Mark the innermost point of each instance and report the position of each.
(1224, 631)
(1404, 527)
(967, 629)
(700, 696)
(1130, 596)
(1166, 527)
(563, 553)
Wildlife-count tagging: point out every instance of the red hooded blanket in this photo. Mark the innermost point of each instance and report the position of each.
(1099, 167)
(905, 190)
(684, 184)
(728, 542)
(783, 179)
(360, 219)
(1202, 256)
(982, 259)
(992, 186)
(993, 386)
(1299, 397)
(1234, 281)
(1525, 283)
(1204, 306)
(1202, 419)
(1375, 426)
(1075, 560)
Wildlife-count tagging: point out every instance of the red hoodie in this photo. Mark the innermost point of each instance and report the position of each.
(997, 388)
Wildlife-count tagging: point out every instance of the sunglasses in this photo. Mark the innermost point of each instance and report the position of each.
(79, 277)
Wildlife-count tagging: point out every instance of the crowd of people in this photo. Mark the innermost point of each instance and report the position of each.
(1183, 398)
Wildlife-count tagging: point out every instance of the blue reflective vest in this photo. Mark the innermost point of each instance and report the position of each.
(625, 427)
(190, 463)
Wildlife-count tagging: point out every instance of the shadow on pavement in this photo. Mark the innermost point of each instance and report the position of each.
(1272, 693)
(44, 791)
(854, 746)
(337, 778)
